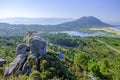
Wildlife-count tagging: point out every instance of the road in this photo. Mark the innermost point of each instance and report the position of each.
(108, 46)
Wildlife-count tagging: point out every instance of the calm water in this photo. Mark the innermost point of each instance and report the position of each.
(81, 34)
(117, 28)
(75, 33)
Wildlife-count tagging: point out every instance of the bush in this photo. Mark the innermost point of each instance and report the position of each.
(35, 75)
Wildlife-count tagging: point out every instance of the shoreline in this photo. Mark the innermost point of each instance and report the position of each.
(107, 29)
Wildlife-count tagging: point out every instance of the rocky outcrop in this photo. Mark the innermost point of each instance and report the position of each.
(36, 43)
(15, 66)
(60, 55)
(27, 55)
(21, 49)
(2, 61)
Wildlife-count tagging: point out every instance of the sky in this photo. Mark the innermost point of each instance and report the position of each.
(106, 10)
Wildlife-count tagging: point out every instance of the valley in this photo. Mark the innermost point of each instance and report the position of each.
(99, 60)
(59, 40)
(89, 52)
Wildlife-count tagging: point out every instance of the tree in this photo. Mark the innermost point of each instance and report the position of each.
(104, 66)
(94, 68)
(81, 59)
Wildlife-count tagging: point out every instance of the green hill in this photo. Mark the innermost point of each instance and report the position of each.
(86, 22)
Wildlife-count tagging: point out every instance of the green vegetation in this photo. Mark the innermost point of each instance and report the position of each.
(83, 57)
(93, 57)
(83, 24)
(8, 46)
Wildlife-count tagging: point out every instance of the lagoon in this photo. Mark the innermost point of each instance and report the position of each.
(85, 34)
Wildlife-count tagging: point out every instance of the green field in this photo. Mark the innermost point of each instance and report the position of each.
(83, 56)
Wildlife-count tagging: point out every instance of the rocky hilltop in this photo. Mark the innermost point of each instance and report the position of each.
(33, 60)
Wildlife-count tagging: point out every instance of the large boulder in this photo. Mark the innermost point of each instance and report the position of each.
(15, 66)
(28, 35)
(36, 43)
(21, 49)
(21, 56)
(60, 55)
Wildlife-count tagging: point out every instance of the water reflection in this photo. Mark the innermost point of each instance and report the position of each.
(83, 34)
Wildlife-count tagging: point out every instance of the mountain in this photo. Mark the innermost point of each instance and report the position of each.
(86, 22)
(79, 24)
(42, 21)
(82, 22)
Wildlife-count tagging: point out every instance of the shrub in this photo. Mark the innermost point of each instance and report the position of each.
(35, 75)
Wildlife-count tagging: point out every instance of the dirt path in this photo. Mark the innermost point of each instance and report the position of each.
(108, 46)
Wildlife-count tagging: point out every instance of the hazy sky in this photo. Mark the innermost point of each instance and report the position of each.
(106, 10)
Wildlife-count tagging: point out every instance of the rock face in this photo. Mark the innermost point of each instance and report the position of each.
(15, 66)
(36, 43)
(21, 49)
(2, 61)
(27, 55)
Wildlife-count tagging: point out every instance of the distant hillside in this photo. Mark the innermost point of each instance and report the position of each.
(20, 29)
(41, 21)
(86, 22)
(4, 24)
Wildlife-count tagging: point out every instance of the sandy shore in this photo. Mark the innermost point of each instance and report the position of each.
(107, 29)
